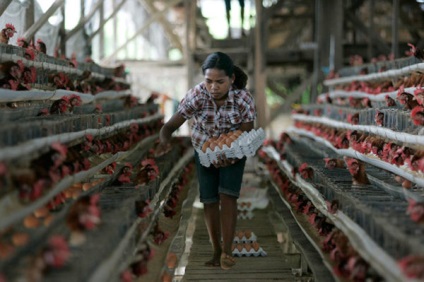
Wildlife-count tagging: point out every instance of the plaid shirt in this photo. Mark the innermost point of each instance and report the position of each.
(209, 121)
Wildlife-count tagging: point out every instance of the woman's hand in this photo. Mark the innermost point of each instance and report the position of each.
(223, 161)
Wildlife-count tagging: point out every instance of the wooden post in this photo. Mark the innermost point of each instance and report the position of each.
(102, 33)
(370, 50)
(188, 52)
(29, 19)
(3, 6)
(259, 67)
(329, 16)
(395, 29)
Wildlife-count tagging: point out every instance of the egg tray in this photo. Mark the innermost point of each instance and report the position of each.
(245, 215)
(244, 146)
(243, 239)
(251, 253)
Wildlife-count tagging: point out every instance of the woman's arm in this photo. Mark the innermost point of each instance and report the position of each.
(169, 127)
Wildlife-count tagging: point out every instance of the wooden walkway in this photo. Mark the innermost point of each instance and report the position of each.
(281, 262)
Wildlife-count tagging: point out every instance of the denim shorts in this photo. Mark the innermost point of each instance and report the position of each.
(214, 181)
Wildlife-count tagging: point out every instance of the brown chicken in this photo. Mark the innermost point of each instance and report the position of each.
(6, 33)
(357, 170)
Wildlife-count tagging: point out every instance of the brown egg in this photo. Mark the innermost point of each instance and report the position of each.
(239, 247)
(248, 234)
(213, 145)
(171, 260)
(205, 146)
(255, 246)
(229, 141)
(240, 234)
(86, 186)
(20, 239)
(238, 132)
(248, 247)
(31, 221)
(77, 185)
(41, 212)
(6, 250)
(221, 144)
(48, 220)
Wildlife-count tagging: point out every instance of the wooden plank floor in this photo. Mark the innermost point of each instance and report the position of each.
(276, 266)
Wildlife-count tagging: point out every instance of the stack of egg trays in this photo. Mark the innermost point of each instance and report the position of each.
(245, 145)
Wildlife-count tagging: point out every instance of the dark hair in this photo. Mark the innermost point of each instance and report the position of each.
(222, 61)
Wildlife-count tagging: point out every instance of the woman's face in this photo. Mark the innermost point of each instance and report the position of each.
(218, 83)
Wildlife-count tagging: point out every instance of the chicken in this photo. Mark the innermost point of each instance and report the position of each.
(416, 211)
(60, 106)
(416, 52)
(357, 170)
(142, 208)
(334, 163)
(379, 118)
(412, 266)
(148, 172)
(6, 33)
(10, 70)
(22, 42)
(125, 174)
(306, 171)
(333, 207)
(416, 161)
(74, 101)
(84, 214)
(419, 95)
(41, 46)
(159, 236)
(406, 99)
(417, 115)
(353, 118)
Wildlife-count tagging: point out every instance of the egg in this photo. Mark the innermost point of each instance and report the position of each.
(205, 146)
(20, 239)
(86, 186)
(238, 132)
(221, 144)
(248, 234)
(239, 247)
(248, 247)
(255, 246)
(41, 212)
(31, 221)
(228, 142)
(171, 260)
(213, 145)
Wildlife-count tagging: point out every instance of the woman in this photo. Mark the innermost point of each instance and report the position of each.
(218, 105)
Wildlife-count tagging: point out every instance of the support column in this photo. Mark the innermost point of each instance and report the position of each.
(259, 67)
(329, 28)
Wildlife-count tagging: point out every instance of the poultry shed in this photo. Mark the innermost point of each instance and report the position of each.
(333, 184)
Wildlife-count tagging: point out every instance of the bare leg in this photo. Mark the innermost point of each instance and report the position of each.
(214, 229)
(228, 221)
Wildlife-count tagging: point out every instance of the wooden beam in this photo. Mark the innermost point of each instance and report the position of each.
(3, 6)
(43, 19)
(115, 11)
(359, 26)
(395, 29)
(259, 67)
(29, 17)
(173, 38)
(140, 30)
(83, 21)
